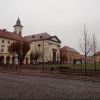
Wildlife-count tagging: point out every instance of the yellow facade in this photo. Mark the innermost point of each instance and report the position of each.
(5, 56)
(45, 48)
(49, 48)
(69, 54)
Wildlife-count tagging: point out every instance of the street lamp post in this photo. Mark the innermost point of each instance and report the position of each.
(21, 53)
(16, 60)
(43, 56)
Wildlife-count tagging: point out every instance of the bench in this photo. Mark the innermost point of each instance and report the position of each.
(52, 69)
(60, 69)
(63, 69)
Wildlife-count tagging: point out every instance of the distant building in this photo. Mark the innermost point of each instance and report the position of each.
(97, 56)
(89, 59)
(49, 46)
(69, 54)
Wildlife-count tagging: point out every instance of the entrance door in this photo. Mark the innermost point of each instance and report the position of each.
(13, 60)
(8, 60)
(26, 60)
(2, 60)
(54, 55)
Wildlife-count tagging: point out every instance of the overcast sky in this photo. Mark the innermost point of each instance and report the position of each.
(64, 18)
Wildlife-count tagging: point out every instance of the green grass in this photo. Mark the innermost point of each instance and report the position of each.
(89, 66)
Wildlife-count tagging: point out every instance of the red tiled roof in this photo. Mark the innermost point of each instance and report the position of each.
(98, 53)
(66, 48)
(11, 35)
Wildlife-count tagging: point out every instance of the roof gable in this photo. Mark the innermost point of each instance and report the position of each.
(36, 37)
(55, 39)
(42, 36)
(97, 53)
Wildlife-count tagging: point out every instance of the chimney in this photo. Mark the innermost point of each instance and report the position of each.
(4, 30)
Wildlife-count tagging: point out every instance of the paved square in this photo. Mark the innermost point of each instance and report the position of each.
(22, 87)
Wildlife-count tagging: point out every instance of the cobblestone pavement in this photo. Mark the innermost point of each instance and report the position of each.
(22, 87)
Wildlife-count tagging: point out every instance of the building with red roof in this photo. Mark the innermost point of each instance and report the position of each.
(48, 46)
(68, 54)
(97, 56)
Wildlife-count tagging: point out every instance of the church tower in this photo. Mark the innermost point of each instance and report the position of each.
(18, 27)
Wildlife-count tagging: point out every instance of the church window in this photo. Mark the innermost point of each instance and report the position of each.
(2, 50)
(41, 37)
(19, 32)
(33, 36)
(2, 41)
(8, 42)
(39, 45)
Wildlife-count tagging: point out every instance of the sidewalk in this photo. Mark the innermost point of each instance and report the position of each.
(54, 74)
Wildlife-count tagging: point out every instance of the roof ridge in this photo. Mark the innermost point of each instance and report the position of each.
(10, 35)
(38, 34)
(69, 48)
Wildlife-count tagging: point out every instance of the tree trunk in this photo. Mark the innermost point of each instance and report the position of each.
(94, 62)
(85, 64)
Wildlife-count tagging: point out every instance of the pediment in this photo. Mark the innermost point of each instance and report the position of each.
(55, 39)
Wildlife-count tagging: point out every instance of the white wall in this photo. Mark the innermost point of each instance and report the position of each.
(48, 46)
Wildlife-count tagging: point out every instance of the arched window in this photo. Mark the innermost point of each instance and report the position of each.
(2, 60)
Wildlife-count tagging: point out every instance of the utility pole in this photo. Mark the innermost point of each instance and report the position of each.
(43, 56)
(94, 50)
(16, 61)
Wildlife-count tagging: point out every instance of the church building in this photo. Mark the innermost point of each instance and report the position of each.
(46, 45)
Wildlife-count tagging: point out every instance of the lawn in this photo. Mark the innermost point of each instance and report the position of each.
(79, 67)
(90, 66)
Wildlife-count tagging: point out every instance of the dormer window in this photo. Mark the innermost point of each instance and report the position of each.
(8, 42)
(20, 33)
(2, 48)
(39, 45)
(41, 37)
(14, 31)
(49, 43)
(2, 41)
(33, 36)
(4, 30)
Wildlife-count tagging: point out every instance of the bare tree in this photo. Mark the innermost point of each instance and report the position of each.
(34, 56)
(94, 47)
(42, 50)
(85, 46)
